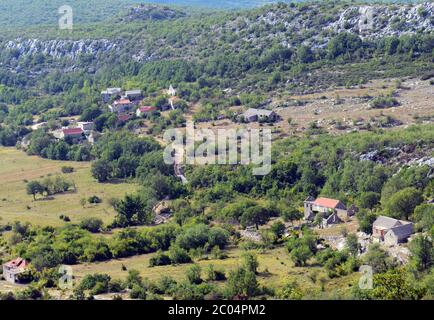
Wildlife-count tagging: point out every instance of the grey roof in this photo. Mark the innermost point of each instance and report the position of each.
(112, 91)
(133, 92)
(402, 231)
(257, 112)
(386, 222)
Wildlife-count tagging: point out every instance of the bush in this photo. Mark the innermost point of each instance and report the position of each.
(94, 200)
(178, 255)
(214, 275)
(194, 274)
(67, 169)
(160, 259)
(91, 224)
(384, 102)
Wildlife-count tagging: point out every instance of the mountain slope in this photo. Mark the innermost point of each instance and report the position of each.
(20, 13)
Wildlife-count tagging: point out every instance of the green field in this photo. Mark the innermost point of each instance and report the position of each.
(16, 205)
(275, 269)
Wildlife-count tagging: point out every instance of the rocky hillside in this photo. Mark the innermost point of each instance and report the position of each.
(287, 24)
(60, 48)
(315, 24)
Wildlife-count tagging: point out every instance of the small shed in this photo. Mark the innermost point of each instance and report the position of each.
(13, 269)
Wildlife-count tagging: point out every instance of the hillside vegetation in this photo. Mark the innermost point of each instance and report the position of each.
(353, 121)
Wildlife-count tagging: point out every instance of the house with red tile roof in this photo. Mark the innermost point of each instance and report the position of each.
(332, 210)
(13, 269)
(72, 133)
(124, 117)
(121, 106)
(144, 110)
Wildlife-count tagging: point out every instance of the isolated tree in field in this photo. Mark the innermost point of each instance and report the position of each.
(33, 188)
(241, 282)
(301, 249)
(101, 170)
(133, 279)
(422, 251)
(254, 216)
(250, 261)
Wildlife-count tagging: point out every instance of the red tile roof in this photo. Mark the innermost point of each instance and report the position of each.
(124, 117)
(17, 263)
(326, 202)
(72, 131)
(147, 109)
(123, 101)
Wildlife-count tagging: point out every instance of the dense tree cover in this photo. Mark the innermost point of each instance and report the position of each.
(49, 247)
(118, 155)
(46, 146)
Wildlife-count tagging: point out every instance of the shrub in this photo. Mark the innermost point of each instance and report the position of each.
(160, 259)
(194, 274)
(67, 169)
(178, 255)
(94, 200)
(384, 102)
(91, 224)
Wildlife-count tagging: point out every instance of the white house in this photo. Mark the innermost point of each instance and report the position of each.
(325, 206)
(13, 269)
(72, 133)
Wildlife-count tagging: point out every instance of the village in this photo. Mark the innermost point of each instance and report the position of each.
(128, 105)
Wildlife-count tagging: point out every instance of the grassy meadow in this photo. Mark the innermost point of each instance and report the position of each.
(16, 205)
(275, 270)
